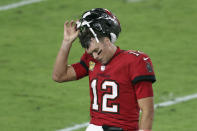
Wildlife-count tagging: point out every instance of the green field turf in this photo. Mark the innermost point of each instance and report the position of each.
(30, 37)
(6, 2)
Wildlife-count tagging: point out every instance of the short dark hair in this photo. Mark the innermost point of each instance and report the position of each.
(86, 36)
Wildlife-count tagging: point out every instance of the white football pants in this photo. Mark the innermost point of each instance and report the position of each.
(93, 127)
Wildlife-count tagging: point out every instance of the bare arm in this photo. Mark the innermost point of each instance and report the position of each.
(62, 71)
(147, 107)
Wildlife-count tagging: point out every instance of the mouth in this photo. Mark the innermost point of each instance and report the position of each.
(99, 60)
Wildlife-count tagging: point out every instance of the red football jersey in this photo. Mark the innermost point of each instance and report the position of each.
(115, 87)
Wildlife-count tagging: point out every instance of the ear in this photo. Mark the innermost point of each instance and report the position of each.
(107, 41)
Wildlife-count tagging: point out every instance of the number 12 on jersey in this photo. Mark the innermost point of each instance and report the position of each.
(113, 108)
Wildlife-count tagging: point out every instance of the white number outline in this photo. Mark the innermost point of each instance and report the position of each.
(114, 107)
(95, 105)
(136, 53)
(113, 95)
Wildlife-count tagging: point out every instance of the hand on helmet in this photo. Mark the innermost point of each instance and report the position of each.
(70, 32)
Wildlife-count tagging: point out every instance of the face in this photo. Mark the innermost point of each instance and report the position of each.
(99, 51)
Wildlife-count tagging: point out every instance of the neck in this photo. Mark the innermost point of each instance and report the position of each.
(112, 50)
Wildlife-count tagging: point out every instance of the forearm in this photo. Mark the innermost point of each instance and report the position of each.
(61, 62)
(146, 120)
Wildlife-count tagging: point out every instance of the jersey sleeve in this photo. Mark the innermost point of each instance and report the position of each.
(82, 68)
(141, 69)
(143, 89)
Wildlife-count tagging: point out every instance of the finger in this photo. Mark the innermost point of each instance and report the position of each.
(77, 21)
(66, 23)
(77, 33)
(75, 26)
(72, 23)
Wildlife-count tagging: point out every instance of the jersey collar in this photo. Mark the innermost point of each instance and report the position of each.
(118, 51)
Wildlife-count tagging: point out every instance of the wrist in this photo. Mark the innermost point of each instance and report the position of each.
(66, 45)
(67, 42)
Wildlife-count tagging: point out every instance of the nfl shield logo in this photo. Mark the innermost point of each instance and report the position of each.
(102, 68)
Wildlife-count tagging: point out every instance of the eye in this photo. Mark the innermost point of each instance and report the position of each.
(99, 52)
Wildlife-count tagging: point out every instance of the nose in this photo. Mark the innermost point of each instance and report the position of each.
(95, 55)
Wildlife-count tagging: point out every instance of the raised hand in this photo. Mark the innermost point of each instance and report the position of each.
(70, 32)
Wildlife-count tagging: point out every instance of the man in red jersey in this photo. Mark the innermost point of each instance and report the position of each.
(120, 81)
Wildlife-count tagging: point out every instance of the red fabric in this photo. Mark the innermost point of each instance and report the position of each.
(80, 70)
(138, 66)
(143, 89)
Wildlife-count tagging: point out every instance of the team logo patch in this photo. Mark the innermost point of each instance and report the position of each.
(91, 65)
(149, 67)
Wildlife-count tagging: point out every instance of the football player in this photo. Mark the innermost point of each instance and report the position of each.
(120, 81)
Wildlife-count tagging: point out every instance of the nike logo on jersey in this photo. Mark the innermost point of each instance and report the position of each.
(145, 58)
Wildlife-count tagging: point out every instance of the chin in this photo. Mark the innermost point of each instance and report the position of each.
(103, 62)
